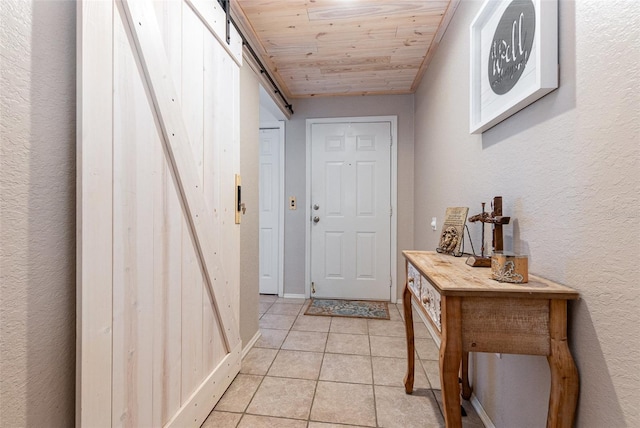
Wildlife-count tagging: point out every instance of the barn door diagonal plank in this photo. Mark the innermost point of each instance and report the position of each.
(210, 391)
(157, 75)
(213, 18)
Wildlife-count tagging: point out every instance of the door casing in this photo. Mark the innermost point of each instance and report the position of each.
(394, 193)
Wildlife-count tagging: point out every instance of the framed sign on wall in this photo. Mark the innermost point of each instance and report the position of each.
(514, 58)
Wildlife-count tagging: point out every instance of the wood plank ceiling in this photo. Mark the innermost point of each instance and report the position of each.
(344, 47)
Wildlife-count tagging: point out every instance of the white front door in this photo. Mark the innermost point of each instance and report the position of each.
(269, 196)
(351, 210)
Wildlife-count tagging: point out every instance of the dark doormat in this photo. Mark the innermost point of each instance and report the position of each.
(349, 308)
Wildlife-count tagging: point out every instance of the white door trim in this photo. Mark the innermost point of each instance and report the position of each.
(394, 195)
(281, 203)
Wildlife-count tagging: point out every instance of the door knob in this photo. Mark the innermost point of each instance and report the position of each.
(316, 219)
(316, 207)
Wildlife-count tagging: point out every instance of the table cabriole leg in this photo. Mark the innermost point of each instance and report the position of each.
(408, 325)
(564, 374)
(450, 358)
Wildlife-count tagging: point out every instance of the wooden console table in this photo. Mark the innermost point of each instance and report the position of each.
(471, 312)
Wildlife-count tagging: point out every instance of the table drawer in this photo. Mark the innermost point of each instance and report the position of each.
(414, 280)
(427, 295)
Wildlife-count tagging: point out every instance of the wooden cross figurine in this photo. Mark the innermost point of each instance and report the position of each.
(497, 219)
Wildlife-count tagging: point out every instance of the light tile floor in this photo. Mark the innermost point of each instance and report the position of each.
(322, 372)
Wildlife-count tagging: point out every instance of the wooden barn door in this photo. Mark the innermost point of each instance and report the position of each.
(158, 250)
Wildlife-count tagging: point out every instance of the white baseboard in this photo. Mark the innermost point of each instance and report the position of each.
(399, 302)
(250, 344)
(294, 296)
(488, 423)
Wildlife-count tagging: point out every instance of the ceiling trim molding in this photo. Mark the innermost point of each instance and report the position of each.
(444, 23)
(246, 29)
(250, 61)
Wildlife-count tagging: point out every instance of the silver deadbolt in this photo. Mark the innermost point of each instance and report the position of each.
(316, 219)
(316, 207)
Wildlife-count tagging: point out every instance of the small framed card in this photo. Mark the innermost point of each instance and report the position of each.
(453, 231)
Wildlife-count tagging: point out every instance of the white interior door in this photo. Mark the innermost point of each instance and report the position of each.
(351, 210)
(270, 206)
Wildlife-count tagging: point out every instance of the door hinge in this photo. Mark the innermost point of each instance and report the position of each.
(390, 281)
(390, 211)
(313, 287)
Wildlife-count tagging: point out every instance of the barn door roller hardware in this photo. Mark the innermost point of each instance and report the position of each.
(226, 6)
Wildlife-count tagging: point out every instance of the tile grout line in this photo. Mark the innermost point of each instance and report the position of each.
(244, 412)
(263, 376)
(373, 380)
(315, 390)
(324, 352)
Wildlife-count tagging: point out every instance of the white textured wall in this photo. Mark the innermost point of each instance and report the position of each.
(249, 228)
(569, 171)
(37, 220)
(295, 172)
